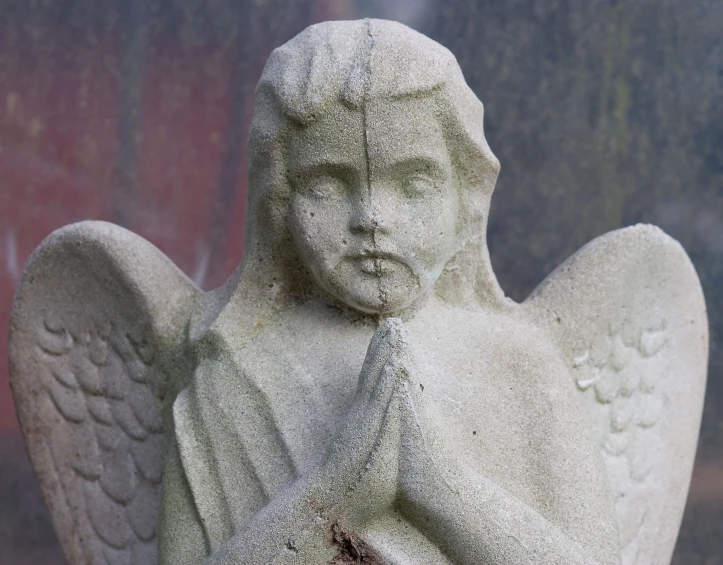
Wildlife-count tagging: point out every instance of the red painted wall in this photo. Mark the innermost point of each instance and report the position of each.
(59, 122)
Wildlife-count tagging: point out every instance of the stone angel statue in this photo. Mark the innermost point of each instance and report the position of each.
(361, 390)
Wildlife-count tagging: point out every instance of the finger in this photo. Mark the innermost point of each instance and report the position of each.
(360, 431)
(387, 339)
(391, 374)
(373, 361)
(413, 441)
(396, 332)
(397, 340)
(365, 422)
(370, 413)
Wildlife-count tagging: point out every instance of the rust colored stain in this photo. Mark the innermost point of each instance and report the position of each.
(352, 549)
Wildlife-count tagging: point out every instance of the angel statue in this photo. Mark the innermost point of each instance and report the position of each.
(361, 390)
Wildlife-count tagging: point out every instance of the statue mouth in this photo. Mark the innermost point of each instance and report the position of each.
(372, 266)
(377, 263)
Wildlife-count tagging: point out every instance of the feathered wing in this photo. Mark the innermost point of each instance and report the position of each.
(96, 348)
(628, 314)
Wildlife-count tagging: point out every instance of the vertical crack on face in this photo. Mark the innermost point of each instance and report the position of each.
(374, 209)
(378, 267)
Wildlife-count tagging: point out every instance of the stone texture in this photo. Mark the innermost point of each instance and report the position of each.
(479, 429)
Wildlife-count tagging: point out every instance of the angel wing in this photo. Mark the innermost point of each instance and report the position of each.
(96, 346)
(628, 314)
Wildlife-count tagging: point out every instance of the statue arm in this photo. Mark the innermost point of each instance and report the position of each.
(294, 527)
(297, 525)
(472, 519)
(475, 521)
(273, 536)
(284, 531)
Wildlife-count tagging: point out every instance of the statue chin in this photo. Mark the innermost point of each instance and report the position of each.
(368, 299)
(374, 305)
(389, 292)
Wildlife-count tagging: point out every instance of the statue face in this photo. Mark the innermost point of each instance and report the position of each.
(373, 214)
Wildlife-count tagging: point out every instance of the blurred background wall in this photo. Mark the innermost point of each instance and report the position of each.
(604, 113)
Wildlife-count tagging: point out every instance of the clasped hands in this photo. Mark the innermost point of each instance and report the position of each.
(381, 457)
(388, 457)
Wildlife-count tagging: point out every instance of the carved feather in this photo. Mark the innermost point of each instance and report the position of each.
(100, 314)
(628, 314)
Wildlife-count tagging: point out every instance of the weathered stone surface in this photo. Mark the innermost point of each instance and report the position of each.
(558, 430)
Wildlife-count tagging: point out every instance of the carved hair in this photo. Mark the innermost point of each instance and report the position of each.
(358, 61)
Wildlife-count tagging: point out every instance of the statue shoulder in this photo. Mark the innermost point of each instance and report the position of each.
(510, 343)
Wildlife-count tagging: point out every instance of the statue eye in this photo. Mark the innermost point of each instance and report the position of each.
(419, 185)
(323, 187)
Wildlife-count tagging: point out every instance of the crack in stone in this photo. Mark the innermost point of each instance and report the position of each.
(378, 267)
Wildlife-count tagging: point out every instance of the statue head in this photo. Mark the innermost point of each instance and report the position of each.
(370, 176)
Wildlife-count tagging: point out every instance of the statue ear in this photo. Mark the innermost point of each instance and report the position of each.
(474, 204)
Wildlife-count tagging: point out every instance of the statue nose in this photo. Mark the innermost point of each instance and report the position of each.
(368, 217)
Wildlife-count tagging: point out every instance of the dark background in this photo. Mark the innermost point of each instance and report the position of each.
(604, 113)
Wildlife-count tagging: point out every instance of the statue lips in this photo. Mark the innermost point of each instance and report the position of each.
(377, 262)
